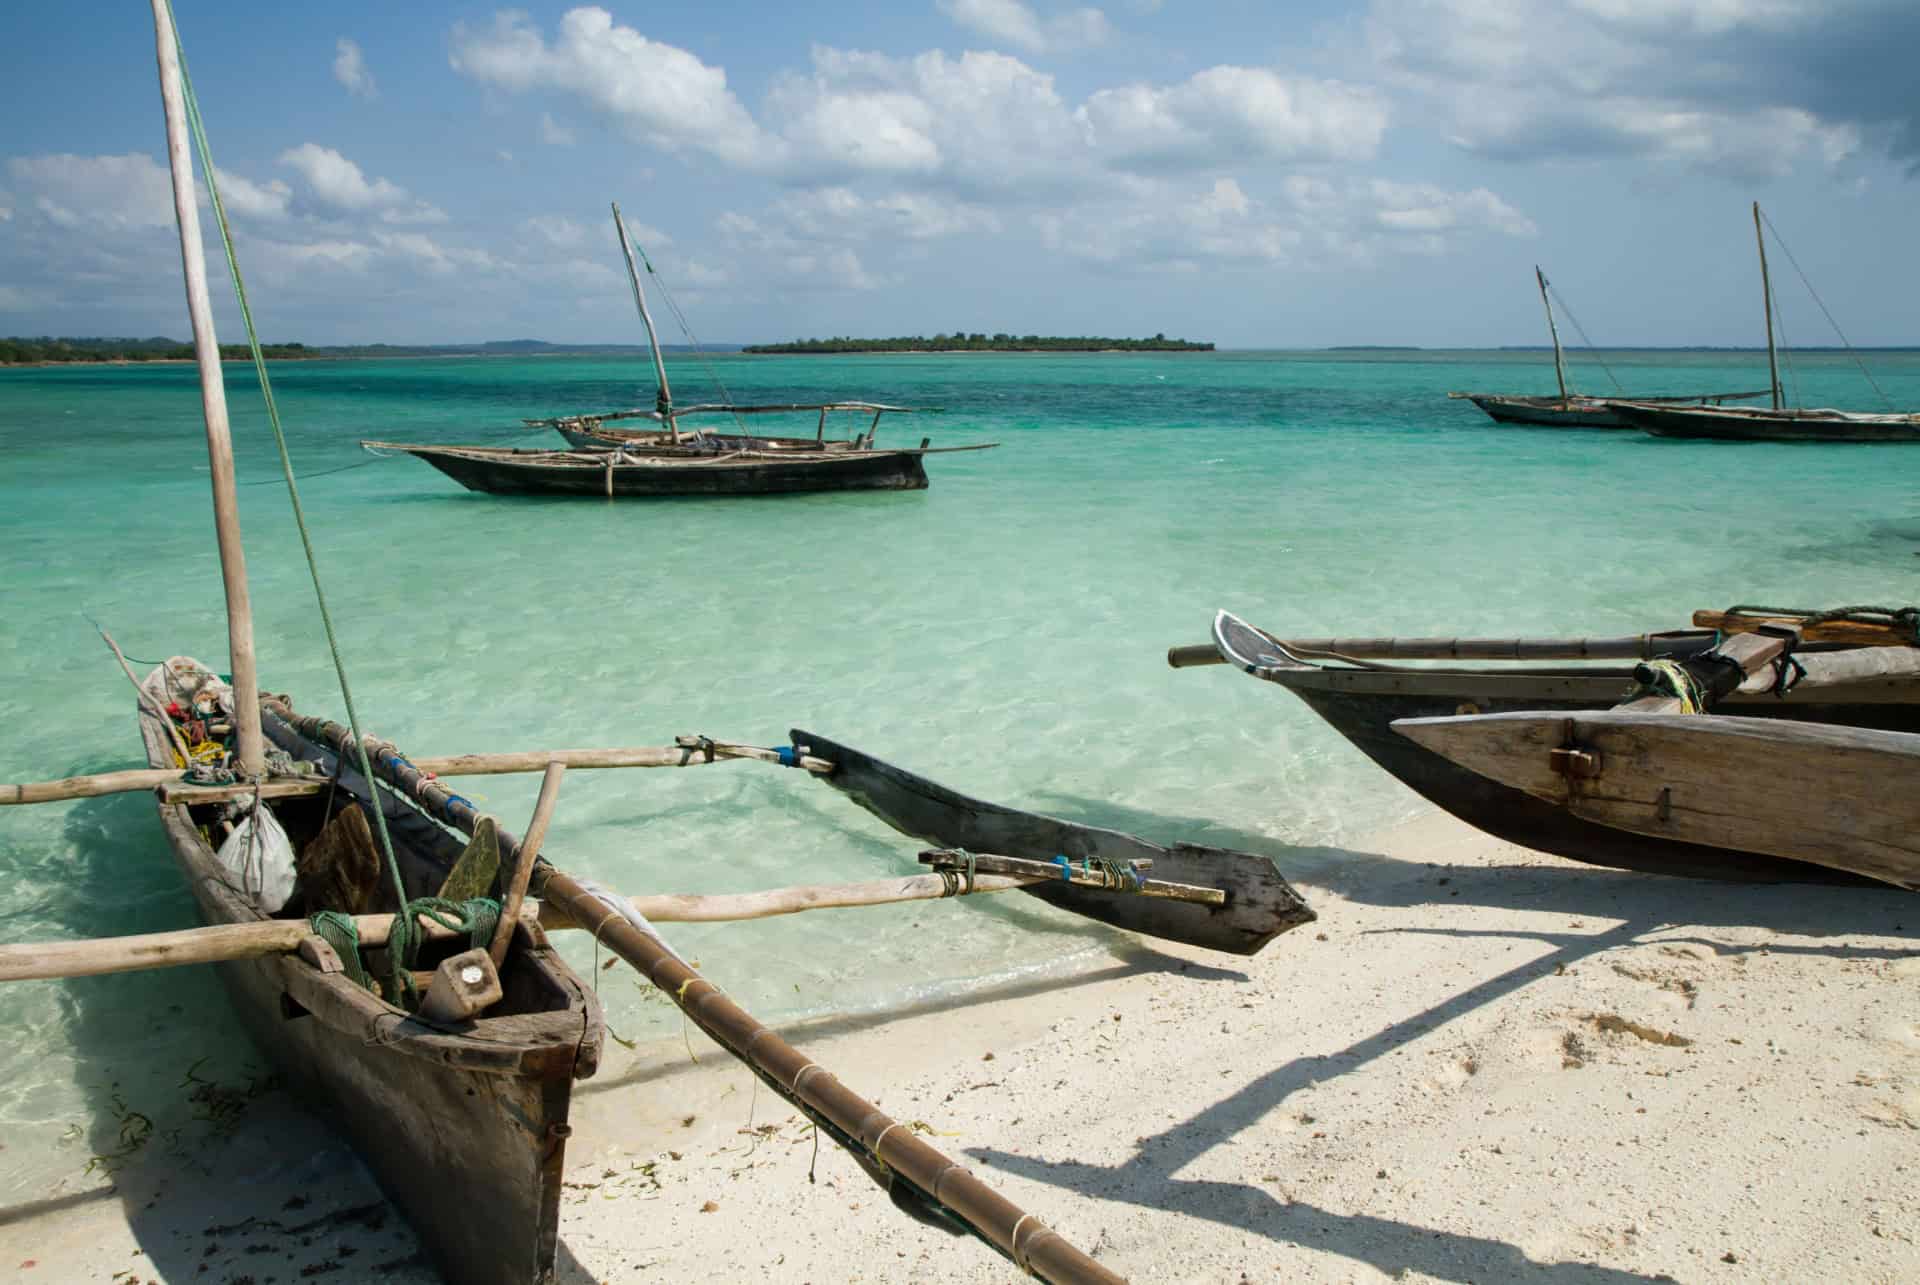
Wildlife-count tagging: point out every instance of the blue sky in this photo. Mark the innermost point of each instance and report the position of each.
(1257, 174)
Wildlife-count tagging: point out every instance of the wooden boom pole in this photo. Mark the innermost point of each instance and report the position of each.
(250, 757)
(664, 398)
(1766, 295)
(1559, 358)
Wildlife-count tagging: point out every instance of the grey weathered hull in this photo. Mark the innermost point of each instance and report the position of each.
(1363, 704)
(1260, 904)
(1733, 425)
(534, 473)
(1549, 412)
(465, 1130)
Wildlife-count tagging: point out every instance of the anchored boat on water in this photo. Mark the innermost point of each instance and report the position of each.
(1780, 422)
(1570, 409)
(1384, 694)
(670, 460)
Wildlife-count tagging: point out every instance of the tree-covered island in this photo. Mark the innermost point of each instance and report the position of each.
(961, 341)
(45, 349)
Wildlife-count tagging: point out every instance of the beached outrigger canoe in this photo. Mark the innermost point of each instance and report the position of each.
(375, 934)
(1367, 688)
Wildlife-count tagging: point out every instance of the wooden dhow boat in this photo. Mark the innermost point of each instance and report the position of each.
(1570, 409)
(1368, 689)
(1778, 423)
(662, 472)
(343, 893)
(671, 461)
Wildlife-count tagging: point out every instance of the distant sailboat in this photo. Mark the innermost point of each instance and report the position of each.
(1569, 409)
(1778, 424)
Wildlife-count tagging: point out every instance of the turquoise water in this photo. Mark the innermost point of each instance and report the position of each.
(1003, 632)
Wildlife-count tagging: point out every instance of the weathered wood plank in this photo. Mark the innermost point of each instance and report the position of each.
(1839, 797)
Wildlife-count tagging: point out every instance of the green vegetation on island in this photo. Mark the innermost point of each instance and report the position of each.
(963, 342)
(29, 351)
(18, 351)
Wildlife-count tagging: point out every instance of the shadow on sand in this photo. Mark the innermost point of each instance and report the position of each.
(1149, 1178)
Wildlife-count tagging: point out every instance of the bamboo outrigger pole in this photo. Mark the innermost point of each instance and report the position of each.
(885, 1147)
(663, 400)
(250, 752)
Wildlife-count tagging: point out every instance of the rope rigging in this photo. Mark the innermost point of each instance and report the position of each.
(680, 318)
(402, 944)
(1592, 351)
(1781, 242)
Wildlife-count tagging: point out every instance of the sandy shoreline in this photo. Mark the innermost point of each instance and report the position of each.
(1480, 1064)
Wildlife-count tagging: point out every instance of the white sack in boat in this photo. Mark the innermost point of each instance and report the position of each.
(259, 862)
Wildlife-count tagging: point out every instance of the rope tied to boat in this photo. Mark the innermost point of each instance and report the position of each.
(955, 882)
(1669, 678)
(1904, 621)
(477, 917)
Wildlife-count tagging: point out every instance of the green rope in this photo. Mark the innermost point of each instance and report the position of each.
(1670, 678)
(1904, 620)
(477, 918)
(337, 929)
(402, 974)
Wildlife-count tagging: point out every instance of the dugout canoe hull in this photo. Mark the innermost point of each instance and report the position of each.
(1753, 424)
(463, 1128)
(1548, 412)
(1871, 688)
(610, 474)
(1260, 904)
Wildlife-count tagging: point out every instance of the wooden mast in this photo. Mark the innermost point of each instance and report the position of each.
(1766, 293)
(250, 757)
(663, 402)
(1559, 358)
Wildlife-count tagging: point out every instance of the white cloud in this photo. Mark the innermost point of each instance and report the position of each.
(1227, 113)
(660, 94)
(1745, 89)
(1014, 23)
(553, 132)
(123, 192)
(248, 199)
(350, 69)
(338, 182)
(433, 257)
(1311, 222)
(557, 231)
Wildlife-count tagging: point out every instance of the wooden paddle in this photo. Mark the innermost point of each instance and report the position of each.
(523, 868)
(1858, 633)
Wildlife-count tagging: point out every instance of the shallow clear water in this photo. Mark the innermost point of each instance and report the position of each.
(1003, 632)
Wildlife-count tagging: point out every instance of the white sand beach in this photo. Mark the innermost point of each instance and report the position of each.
(1481, 1064)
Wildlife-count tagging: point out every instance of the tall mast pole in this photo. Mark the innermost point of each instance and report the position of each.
(251, 756)
(663, 400)
(1766, 292)
(1559, 358)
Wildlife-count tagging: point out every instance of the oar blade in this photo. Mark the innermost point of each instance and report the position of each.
(1260, 903)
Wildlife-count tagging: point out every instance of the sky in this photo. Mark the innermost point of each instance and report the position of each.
(1254, 173)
